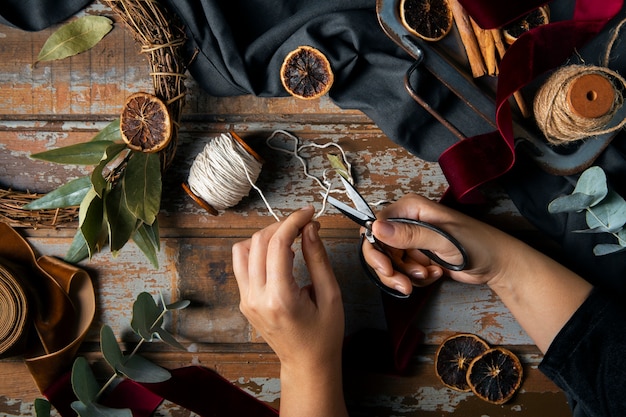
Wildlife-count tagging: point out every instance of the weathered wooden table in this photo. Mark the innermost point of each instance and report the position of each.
(54, 104)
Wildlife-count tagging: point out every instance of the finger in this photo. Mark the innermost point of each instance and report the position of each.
(320, 269)
(279, 248)
(240, 252)
(410, 236)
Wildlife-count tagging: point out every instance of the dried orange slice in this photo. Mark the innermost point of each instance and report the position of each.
(430, 20)
(495, 375)
(145, 123)
(306, 73)
(454, 356)
(535, 18)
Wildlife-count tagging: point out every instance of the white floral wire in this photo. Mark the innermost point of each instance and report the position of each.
(215, 162)
(324, 183)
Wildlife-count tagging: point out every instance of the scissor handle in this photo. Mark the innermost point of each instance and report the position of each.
(447, 265)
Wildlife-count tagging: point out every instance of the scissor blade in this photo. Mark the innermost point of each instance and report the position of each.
(353, 214)
(358, 201)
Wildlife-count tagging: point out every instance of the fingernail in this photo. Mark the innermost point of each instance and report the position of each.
(417, 274)
(312, 230)
(307, 208)
(384, 229)
(400, 288)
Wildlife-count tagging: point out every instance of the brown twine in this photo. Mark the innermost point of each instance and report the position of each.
(554, 116)
(552, 112)
(161, 38)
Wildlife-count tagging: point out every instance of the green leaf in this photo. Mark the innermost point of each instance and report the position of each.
(121, 222)
(146, 316)
(110, 349)
(178, 305)
(142, 185)
(111, 132)
(610, 214)
(592, 182)
(167, 338)
(75, 37)
(338, 165)
(607, 249)
(97, 410)
(591, 188)
(142, 370)
(572, 202)
(42, 407)
(88, 153)
(84, 382)
(97, 179)
(90, 220)
(78, 249)
(68, 195)
(146, 237)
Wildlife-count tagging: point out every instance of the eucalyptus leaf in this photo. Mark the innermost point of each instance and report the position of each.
(621, 237)
(167, 338)
(610, 214)
(84, 382)
(111, 132)
(75, 37)
(142, 185)
(146, 237)
(140, 369)
(87, 153)
(607, 249)
(78, 250)
(42, 407)
(592, 182)
(68, 195)
(90, 220)
(121, 222)
(110, 349)
(178, 305)
(571, 202)
(146, 316)
(97, 410)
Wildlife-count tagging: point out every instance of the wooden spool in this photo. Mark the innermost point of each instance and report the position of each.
(201, 202)
(591, 96)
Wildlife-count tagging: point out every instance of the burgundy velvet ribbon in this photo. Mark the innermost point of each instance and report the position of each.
(194, 388)
(480, 159)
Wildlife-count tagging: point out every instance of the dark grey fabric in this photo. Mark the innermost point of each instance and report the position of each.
(587, 358)
(38, 14)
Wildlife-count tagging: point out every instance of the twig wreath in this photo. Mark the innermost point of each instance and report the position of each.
(120, 199)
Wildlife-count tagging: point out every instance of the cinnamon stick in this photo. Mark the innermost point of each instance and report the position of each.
(487, 47)
(468, 38)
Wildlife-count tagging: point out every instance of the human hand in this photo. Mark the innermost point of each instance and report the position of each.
(486, 246)
(304, 326)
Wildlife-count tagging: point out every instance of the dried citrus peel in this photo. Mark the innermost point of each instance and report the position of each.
(306, 73)
(145, 123)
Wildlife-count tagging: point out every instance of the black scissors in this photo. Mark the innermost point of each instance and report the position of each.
(363, 215)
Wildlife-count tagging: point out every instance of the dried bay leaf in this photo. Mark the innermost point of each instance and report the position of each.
(75, 37)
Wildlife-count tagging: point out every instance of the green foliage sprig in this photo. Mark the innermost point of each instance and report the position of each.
(119, 200)
(147, 323)
(605, 209)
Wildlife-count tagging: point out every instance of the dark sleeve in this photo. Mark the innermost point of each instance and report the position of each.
(38, 14)
(587, 359)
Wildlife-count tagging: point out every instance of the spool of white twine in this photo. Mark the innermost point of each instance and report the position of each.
(224, 172)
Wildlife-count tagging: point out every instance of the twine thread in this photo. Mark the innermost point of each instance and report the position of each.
(554, 116)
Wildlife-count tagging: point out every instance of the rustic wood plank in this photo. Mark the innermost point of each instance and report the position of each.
(55, 104)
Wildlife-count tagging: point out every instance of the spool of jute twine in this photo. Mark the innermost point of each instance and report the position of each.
(579, 101)
(13, 310)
